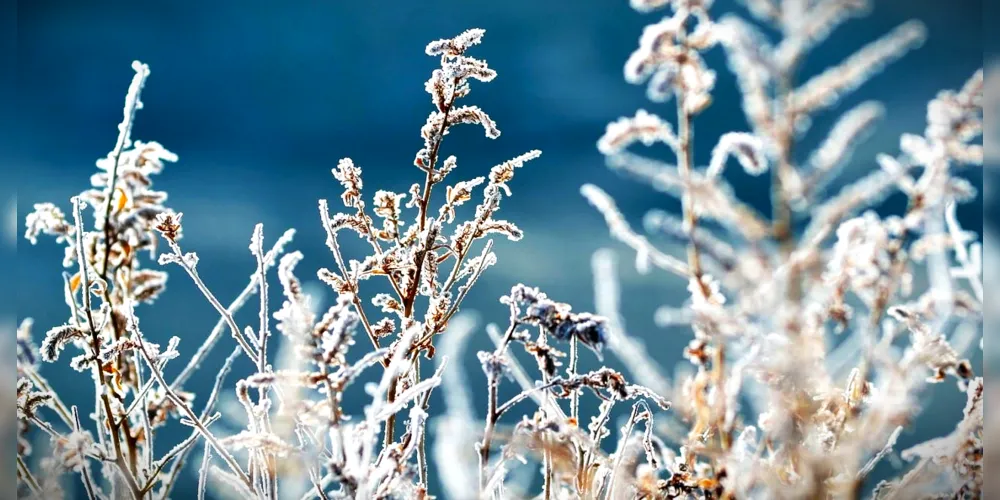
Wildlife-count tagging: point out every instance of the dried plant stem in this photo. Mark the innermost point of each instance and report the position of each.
(484, 446)
(195, 420)
(781, 207)
(140, 396)
(233, 328)
(599, 423)
(263, 334)
(685, 164)
(390, 423)
(422, 441)
(719, 373)
(492, 413)
(29, 479)
(88, 484)
(425, 197)
(132, 104)
(339, 454)
(334, 245)
(248, 290)
(209, 408)
(206, 461)
(534, 391)
(181, 451)
(547, 467)
(95, 342)
(147, 429)
(119, 457)
(409, 299)
(574, 403)
(547, 463)
(545, 436)
(367, 325)
(463, 291)
(316, 484)
(623, 447)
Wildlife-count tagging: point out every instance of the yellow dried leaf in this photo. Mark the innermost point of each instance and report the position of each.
(122, 199)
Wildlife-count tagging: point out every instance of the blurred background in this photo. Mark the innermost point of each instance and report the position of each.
(261, 98)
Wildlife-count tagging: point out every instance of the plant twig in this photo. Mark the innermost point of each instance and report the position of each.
(195, 421)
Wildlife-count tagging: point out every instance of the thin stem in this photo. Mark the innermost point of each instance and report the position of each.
(140, 396)
(685, 165)
(123, 467)
(719, 373)
(546, 449)
(147, 428)
(209, 408)
(180, 450)
(240, 300)
(521, 396)
(95, 342)
(206, 463)
(626, 433)
(316, 484)
(472, 279)
(484, 447)
(408, 301)
(425, 199)
(574, 402)
(193, 273)
(432, 158)
(85, 473)
(29, 479)
(132, 103)
(780, 205)
(599, 423)
(263, 334)
(195, 420)
(411, 295)
(547, 486)
(334, 245)
(492, 414)
(422, 441)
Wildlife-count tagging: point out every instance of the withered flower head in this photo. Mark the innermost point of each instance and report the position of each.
(169, 225)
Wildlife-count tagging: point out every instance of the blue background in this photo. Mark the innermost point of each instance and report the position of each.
(260, 100)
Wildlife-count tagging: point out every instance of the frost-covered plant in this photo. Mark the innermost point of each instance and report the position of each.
(814, 330)
(298, 439)
(778, 406)
(573, 459)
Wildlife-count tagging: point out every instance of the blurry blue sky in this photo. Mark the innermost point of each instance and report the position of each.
(261, 98)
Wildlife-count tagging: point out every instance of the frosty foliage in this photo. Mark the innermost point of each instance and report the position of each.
(811, 348)
(814, 332)
(297, 438)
